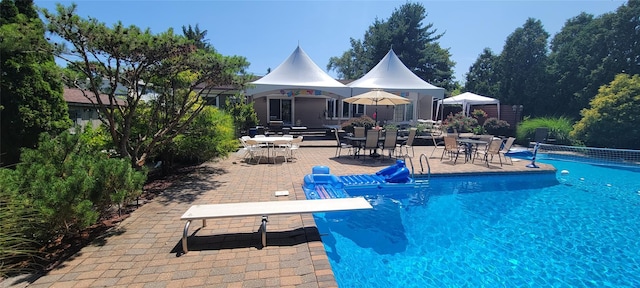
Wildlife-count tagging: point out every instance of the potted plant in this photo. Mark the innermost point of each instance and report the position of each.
(480, 115)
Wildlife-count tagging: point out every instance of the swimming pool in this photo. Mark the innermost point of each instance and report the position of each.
(544, 230)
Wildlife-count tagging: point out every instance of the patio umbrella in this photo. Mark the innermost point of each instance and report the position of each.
(377, 97)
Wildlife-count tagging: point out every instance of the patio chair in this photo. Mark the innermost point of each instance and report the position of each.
(390, 142)
(480, 147)
(371, 143)
(408, 143)
(436, 144)
(492, 149)
(255, 150)
(452, 147)
(281, 148)
(295, 145)
(507, 146)
(341, 145)
(358, 132)
(540, 136)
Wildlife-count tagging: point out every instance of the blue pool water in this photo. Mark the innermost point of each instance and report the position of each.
(553, 230)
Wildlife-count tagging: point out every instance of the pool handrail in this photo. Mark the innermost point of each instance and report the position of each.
(428, 165)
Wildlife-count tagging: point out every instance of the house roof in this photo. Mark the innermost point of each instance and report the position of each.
(77, 96)
(392, 75)
(298, 72)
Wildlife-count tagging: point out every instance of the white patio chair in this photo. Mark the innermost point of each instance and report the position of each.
(295, 145)
(255, 150)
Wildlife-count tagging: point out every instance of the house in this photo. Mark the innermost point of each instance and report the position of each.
(82, 110)
(299, 93)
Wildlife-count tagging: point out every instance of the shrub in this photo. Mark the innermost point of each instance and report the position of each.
(244, 115)
(210, 135)
(362, 121)
(460, 123)
(494, 126)
(612, 120)
(68, 185)
(559, 129)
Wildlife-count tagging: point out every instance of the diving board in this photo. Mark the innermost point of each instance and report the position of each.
(264, 209)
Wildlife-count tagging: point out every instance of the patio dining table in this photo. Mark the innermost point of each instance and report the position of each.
(269, 142)
(468, 144)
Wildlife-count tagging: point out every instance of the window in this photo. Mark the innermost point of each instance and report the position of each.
(357, 110)
(331, 109)
(280, 110)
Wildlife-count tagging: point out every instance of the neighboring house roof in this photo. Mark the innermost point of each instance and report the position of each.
(77, 96)
(298, 72)
(392, 75)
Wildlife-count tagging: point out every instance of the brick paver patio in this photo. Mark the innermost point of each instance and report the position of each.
(144, 249)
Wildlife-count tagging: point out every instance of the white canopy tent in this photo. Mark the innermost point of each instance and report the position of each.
(467, 100)
(297, 72)
(391, 75)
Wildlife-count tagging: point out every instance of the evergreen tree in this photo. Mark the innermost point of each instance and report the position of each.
(576, 52)
(414, 43)
(523, 64)
(30, 84)
(179, 72)
(484, 76)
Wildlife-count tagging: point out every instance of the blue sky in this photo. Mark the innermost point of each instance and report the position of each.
(266, 32)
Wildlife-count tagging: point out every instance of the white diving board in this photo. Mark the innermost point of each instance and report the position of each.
(264, 209)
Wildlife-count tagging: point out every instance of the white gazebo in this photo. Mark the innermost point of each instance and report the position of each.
(467, 100)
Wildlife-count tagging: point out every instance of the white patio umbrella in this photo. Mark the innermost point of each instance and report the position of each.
(377, 97)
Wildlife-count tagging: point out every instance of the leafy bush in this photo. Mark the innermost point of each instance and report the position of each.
(244, 115)
(362, 121)
(559, 129)
(460, 122)
(612, 120)
(493, 126)
(210, 135)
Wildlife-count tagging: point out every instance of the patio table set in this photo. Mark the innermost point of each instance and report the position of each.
(377, 139)
(485, 146)
(255, 148)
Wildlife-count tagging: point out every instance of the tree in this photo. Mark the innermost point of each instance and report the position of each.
(483, 77)
(179, 74)
(523, 63)
(197, 36)
(613, 113)
(31, 89)
(414, 43)
(577, 51)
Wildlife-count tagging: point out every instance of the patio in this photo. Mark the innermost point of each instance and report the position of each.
(143, 251)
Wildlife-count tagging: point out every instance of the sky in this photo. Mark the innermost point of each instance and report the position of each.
(266, 32)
